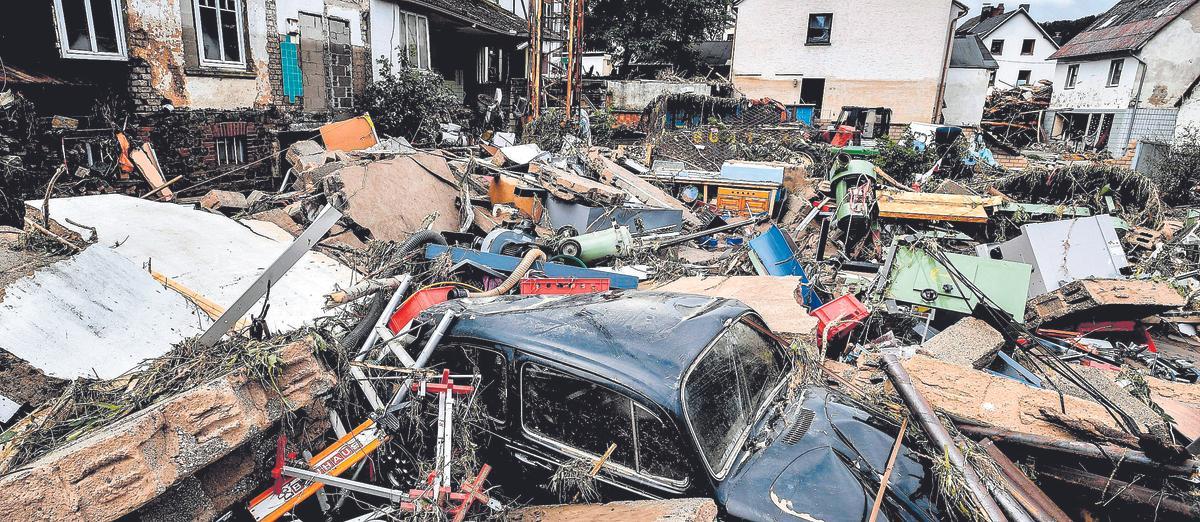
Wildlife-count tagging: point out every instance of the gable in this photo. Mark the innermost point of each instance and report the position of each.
(1125, 27)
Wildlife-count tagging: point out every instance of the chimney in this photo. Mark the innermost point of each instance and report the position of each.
(986, 11)
(1025, 7)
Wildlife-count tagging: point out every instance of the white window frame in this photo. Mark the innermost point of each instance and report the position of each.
(484, 62)
(230, 150)
(64, 46)
(1114, 68)
(400, 23)
(240, 14)
(1072, 76)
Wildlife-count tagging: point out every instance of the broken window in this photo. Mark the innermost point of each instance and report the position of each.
(410, 32)
(491, 67)
(820, 28)
(1072, 76)
(997, 47)
(490, 366)
(1023, 77)
(219, 30)
(724, 391)
(90, 29)
(991, 78)
(1114, 72)
(231, 150)
(1027, 47)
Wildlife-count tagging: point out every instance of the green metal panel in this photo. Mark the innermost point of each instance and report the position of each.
(914, 271)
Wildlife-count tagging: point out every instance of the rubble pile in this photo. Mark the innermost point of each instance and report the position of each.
(1013, 116)
(508, 328)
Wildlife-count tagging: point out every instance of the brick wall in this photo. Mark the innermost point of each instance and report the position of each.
(185, 142)
(274, 61)
(1009, 161)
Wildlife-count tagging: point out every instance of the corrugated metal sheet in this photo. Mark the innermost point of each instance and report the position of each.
(1125, 27)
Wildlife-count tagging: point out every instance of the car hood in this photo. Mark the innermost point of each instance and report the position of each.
(822, 462)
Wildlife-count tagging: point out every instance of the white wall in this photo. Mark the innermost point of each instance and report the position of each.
(966, 93)
(1016, 29)
(349, 10)
(880, 53)
(1173, 60)
(1189, 115)
(1091, 90)
(383, 31)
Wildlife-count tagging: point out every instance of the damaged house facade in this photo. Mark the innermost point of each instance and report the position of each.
(1119, 85)
(840, 57)
(972, 69)
(1020, 46)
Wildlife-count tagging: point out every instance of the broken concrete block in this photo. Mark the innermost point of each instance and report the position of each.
(370, 195)
(1101, 300)
(306, 155)
(223, 201)
(1005, 403)
(255, 196)
(129, 463)
(969, 342)
(676, 510)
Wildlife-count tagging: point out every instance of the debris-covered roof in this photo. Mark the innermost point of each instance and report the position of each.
(1125, 27)
(647, 338)
(970, 53)
(487, 15)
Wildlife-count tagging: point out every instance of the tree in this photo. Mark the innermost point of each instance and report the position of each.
(653, 30)
(411, 103)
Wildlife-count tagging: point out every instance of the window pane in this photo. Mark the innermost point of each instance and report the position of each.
(762, 362)
(819, 28)
(714, 404)
(413, 39)
(75, 18)
(1027, 46)
(423, 43)
(658, 447)
(231, 38)
(577, 413)
(489, 365)
(209, 35)
(105, 25)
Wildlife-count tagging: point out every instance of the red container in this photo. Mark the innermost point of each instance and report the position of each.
(564, 285)
(840, 316)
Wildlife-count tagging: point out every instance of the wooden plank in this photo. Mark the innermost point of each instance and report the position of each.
(928, 206)
(143, 159)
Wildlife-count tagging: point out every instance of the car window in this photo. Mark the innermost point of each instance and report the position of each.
(577, 413)
(488, 365)
(658, 446)
(726, 388)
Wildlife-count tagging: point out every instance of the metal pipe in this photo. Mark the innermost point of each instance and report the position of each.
(1036, 503)
(423, 358)
(928, 419)
(714, 230)
(1110, 454)
(361, 487)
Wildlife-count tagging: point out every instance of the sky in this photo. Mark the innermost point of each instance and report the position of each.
(1049, 10)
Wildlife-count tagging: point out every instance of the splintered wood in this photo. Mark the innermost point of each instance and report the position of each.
(928, 206)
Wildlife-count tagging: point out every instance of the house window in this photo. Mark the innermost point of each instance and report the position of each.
(820, 27)
(585, 418)
(231, 150)
(1114, 72)
(1023, 77)
(1072, 76)
(90, 29)
(219, 33)
(490, 67)
(1027, 47)
(411, 34)
(997, 47)
(991, 78)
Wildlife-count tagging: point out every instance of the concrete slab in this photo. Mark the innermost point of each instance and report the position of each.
(212, 255)
(969, 342)
(772, 297)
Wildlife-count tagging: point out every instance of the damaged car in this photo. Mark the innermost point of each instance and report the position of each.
(697, 395)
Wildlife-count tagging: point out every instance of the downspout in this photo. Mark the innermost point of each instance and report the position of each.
(1137, 101)
(941, 90)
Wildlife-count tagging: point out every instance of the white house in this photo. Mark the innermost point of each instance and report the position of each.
(1020, 45)
(835, 54)
(1121, 81)
(971, 71)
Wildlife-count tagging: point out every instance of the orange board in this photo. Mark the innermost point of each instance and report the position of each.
(352, 134)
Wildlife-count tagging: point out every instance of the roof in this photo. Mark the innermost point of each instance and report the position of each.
(1125, 27)
(968, 52)
(642, 340)
(487, 15)
(716, 53)
(990, 24)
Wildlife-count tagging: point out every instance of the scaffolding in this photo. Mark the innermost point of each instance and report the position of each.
(556, 57)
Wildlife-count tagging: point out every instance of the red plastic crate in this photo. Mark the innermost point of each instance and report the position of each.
(416, 304)
(846, 311)
(564, 285)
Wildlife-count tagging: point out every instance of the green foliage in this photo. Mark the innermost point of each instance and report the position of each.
(411, 103)
(654, 30)
(548, 130)
(1175, 174)
(903, 162)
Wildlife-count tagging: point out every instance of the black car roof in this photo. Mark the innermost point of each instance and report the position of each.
(642, 340)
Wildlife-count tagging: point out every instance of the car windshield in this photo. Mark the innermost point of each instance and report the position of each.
(726, 388)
